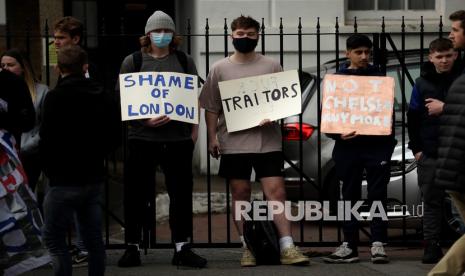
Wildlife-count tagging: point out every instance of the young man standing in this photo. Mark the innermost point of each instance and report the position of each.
(354, 154)
(68, 31)
(451, 155)
(258, 148)
(163, 142)
(74, 142)
(457, 32)
(426, 104)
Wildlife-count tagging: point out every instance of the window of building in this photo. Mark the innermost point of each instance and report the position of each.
(392, 10)
(390, 5)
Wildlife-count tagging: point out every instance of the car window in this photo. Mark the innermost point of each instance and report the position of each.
(396, 73)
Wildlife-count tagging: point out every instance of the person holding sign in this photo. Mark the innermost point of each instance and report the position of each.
(426, 105)
(159, 141)
(258, 147)
(354, 154)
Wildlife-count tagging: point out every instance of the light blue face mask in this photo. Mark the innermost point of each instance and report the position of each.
(161, 40)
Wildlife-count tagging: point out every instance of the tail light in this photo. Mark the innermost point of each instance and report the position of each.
(292, 131)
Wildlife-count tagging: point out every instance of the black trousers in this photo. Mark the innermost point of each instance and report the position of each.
(350, 172)
(433, 198)
(175, 159)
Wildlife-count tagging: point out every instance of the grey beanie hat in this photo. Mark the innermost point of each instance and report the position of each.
(159, 20)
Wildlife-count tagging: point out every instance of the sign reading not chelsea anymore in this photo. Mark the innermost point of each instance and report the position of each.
(248, 101)
(152, 94)
(357, 103)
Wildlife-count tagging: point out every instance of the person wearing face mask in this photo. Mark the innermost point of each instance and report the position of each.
(80, 127)
(159, 141)
(258, 148)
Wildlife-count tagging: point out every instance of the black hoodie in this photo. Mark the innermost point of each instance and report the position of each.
(80, 127)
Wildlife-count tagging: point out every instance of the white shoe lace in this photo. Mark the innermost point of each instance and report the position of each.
(377, 249)
(343, 250)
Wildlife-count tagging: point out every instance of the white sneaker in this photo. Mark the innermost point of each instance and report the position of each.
(378, 255)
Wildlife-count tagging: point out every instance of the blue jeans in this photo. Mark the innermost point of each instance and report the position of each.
(61, 202)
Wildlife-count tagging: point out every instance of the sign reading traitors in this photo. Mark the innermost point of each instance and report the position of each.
(248, 101)
(151, 94)
(357, 103)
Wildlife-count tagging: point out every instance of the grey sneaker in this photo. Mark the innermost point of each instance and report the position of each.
(378, 255)
(343, 254)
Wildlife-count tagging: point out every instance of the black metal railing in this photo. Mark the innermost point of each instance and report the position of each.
(113, 47)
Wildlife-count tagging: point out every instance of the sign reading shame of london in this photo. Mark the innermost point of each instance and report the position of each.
(152, 94)
(248, 101)
(357, 103)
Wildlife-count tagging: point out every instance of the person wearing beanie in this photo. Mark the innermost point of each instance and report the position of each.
(159, 141)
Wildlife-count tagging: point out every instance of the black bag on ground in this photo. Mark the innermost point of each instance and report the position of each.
(262, 239)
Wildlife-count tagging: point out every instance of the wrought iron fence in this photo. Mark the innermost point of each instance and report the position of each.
(112, 47)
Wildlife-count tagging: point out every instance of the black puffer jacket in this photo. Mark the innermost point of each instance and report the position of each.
(450, 172)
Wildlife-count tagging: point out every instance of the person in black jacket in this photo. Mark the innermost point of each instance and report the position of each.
(354, 154)
(16, 109)
(450, 167)
(80, 127)
(426, 104)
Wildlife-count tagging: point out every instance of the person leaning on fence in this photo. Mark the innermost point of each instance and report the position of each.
(16, 62)
(426, 105)
(258, 147)
(353, 154)
(73, 144)
(159, 141)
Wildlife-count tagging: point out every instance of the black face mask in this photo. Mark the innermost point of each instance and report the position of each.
(245, 45)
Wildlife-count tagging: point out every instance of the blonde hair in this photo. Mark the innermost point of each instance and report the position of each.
(28, 73)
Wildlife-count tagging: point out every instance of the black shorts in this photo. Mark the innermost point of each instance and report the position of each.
(239, 166)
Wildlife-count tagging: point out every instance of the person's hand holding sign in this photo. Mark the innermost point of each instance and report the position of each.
(348, 136)
(434, 106)
(157, 121)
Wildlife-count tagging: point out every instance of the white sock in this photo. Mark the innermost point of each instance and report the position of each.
(179, 245)
(244, 245)
(285, 242)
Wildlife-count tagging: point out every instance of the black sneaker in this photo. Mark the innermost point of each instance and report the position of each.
(432, 253)
(378, 255)
(130, 258)
(343, 254)
(186, 257)
(80, 258)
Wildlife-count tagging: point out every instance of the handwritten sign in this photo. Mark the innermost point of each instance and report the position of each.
(357, 103)
(248, 101)
(152, 94)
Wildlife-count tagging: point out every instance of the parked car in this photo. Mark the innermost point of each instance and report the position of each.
(300, 147)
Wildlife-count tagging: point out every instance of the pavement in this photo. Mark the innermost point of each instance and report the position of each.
(225, 261)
